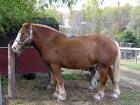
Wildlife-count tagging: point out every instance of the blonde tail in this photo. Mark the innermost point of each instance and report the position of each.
(116, 65)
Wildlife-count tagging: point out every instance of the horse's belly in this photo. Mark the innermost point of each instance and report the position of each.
(78, 63)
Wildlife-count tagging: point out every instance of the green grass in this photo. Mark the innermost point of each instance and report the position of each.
(71, 76)
(132, 66)
(4, 83)
(131, 98)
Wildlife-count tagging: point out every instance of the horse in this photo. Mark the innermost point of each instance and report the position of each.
(58, 51)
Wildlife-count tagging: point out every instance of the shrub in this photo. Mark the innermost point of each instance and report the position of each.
(128, 37)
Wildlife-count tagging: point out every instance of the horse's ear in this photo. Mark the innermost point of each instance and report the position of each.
(28, 25)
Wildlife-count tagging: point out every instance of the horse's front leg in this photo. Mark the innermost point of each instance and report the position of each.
(60, 90)
(104, 77)
(56, 93)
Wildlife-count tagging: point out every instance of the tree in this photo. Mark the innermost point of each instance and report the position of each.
(43, 4)
(128, 37)
(93, 14)
(15, 12)
(134, 22)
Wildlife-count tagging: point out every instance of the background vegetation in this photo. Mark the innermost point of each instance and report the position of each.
(15, 12)
(121, 22)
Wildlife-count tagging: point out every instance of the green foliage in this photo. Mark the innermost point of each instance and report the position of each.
(15, 12)
(134, 22)
(138, 42)
(43, 4)
(115, 20)
(4, 83)
(128, 37)
(92, 8)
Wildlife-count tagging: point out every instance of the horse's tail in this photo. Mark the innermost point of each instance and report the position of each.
(116, 65)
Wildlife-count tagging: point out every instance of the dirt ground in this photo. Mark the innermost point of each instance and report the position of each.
(34, 92)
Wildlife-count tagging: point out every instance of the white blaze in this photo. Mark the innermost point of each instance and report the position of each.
(16, 46)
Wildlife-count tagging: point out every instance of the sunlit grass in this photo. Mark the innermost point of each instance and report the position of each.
(131, 66)
(71, 76)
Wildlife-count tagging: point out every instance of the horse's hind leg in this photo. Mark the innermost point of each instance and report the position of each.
(104, 77)
(94, 80)
(56, 70)
(116, 90)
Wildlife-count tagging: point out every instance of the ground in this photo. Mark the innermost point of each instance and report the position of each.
(34, 92)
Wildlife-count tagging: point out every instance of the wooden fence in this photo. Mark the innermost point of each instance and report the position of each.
(0, 91)
(137, 51)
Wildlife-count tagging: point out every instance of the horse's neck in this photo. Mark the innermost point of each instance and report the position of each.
(44, 38)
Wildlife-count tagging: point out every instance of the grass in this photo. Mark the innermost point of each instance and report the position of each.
(132, 66)
(4, 83)
(128, 99)
(71, 76)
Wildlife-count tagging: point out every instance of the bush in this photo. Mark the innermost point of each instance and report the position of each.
(128, 37)
(138, 42)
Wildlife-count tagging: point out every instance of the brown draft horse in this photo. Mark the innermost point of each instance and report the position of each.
(58, 51)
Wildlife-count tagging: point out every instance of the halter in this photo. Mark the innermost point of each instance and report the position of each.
(29, 38)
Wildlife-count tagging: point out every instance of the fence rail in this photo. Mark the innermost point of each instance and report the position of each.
(130, 48)
(137, 51)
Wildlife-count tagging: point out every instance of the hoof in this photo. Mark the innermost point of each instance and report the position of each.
(118, 92)
(114, 96)
(97, 97)
(61, 98)
(55, 95)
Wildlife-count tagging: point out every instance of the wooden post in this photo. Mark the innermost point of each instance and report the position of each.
(11, 72)
(0, 91)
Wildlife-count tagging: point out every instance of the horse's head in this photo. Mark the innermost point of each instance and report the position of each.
(23, 39)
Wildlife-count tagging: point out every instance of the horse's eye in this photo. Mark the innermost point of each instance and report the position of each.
(23, 33)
